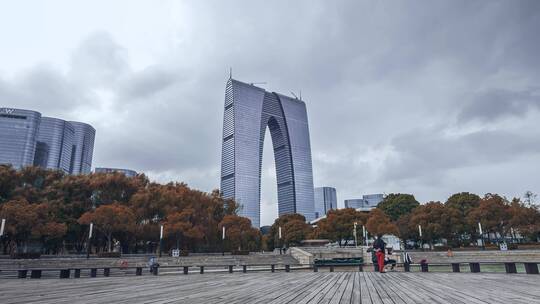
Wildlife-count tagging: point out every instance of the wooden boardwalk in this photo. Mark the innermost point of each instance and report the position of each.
(294, 287)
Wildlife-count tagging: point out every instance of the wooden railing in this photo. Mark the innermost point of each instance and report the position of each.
(64, 273)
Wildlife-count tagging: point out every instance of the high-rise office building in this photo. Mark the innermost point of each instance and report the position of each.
(83, 143)
(28, 139)
(18, 132)
(366, 203)
(248, 111)
(325, 200)
(126, 172)
(54, 144)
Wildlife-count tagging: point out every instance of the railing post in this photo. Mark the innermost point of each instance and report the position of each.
(35, 274)
(407, 267)
(93, 272)
(361, 267)
(106, 272)
(475, 267)
(315, 268)
(510, 267)
(287, 268)
(531, 268)
(273, 268)
(77, 273)
(22, 273)
(244, 268)
(230, 268)
(138, 271)
(202, 269)
(424, 267)
(455, 267)
(186, 269)
(331, 268)
(64, 273)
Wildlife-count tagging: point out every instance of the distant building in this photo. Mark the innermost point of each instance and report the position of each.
(366, 203)
(18, 132)
(28, 139)
(325, 200)
(126, 172)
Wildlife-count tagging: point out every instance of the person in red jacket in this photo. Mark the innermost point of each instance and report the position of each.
(379, 246)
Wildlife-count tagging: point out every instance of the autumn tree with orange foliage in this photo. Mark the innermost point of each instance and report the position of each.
(294, 229)
(379, 223)
(240, 234)
(338, 225)
(113, 221)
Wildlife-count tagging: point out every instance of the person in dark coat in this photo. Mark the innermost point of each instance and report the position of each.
(379, 246)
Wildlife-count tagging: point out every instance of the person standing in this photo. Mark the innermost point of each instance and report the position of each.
(379, 246)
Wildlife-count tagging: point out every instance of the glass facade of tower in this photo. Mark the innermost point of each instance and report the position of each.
(83, 148)
(28, 139)
(248, 111)
(18, 132)
(325, 200)
(54, 144)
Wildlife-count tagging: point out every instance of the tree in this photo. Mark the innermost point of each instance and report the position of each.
(493, 212)
(294, 229)
(180, 225)
(438, 221)
(27, 221)
(112, 220)
(524, 218)
(463, 202)
(338, 226)
(379, 223)
(397, 204)
(239, 233)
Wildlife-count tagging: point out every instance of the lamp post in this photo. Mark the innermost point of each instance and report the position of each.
(160, 240)
(279, 242)
(89, 243)
(364, 234)
(481, 235)
(223, 242)
(355, 238)
(420, 234)
(2, 226)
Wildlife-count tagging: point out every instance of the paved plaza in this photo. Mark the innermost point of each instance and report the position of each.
(294, 287)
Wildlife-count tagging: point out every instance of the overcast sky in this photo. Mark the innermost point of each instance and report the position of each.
(422, 97)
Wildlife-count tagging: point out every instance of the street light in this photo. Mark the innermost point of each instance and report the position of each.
(364, 234)
(355, 238)
(223, 242)
(88, 244)
(160, 239)
(481, 235)
(420, 233)
(279, 238)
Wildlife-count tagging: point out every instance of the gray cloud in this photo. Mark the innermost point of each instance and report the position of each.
(405, 96)
(499, 103)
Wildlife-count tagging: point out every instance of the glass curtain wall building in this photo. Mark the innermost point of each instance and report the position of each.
(83, 148)
(325, 200)
(248, 111)
(28, 139)
(366, 203)
(54, 144)
(18, 133)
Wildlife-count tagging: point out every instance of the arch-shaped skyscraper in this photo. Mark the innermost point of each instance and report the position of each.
(248, 111)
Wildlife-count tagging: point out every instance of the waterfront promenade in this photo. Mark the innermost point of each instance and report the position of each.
(294, 287)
